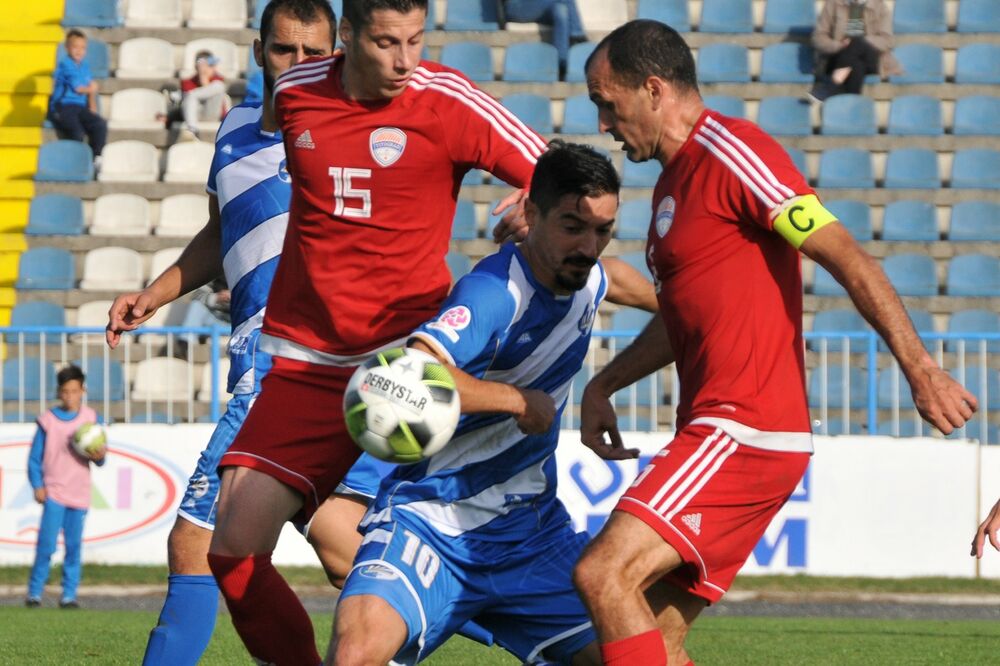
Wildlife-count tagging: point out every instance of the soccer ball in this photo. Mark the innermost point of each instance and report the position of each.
(89, 438)
(401, 406)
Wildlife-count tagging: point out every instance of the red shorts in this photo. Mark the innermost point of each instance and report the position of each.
(295, 431)
(711, 498)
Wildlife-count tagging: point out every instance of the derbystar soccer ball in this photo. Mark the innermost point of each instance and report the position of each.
(89, 438)
(401, 406)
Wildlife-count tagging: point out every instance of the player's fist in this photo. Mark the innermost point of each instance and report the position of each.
(538, 412)
(40, 495)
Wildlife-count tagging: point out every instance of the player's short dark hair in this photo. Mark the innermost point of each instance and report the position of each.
(68, 374)
(359, 12)
(643, 48)
(571, 168)
(305, 11)
(74, 32)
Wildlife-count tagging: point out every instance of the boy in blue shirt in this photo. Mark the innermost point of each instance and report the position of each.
(73, 105)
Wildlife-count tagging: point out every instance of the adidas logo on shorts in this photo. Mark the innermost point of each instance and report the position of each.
(693, 521)
(305, 140)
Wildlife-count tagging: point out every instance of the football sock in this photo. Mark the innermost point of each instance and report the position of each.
(186, 622)
(266, 613)
(646, 648)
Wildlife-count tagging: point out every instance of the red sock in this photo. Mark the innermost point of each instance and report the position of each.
(266, 613)
(646, 648)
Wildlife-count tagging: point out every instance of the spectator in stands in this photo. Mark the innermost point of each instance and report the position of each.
(73, 105)
(203, 96)
(854, 39)
(562, 15)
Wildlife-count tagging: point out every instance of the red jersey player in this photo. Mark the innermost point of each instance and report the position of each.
(377, 143)
(729, 212)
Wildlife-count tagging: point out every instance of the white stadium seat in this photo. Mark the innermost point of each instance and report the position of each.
(189, 162)
(145, 58)
(93, 313)
(153, 14)
(112, 269)
(223, 49)
(163, 379)
(120, 214)
(182, 216)
(171, 314)
(129, 161)
(218, 14)
(161, 261)
(136, 108)
(602, 15)
(205, 392)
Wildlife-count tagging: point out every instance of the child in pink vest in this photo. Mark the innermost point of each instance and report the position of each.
(61, 479)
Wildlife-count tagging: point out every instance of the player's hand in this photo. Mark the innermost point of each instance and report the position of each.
(513, 225)
(538, 413)
(40, 495)
(941, 401)
(126, 314)
(988, 528)
(97, 455)
(598, 417)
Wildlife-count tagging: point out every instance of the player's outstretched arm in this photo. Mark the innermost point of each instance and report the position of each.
(627, 286)
(941, 401)
(199, 263)
(987, 529)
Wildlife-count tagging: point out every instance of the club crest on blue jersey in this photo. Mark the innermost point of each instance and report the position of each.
(587, 319)
(665, 216)
(387, 145)
(283, 174)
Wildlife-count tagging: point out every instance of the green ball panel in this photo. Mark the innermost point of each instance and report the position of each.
(404, 444)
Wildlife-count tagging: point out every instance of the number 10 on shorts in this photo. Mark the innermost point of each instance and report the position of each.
(424, 561)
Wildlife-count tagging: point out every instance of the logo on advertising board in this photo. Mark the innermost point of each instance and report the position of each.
(387, 145)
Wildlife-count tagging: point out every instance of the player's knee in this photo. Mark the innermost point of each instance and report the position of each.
(354, 649)
(595, 578)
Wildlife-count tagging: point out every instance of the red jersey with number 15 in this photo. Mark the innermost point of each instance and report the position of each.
(374, 189)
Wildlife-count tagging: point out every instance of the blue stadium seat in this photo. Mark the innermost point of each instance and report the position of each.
(856, 216)
(789, 16)
(338, 11)
(91, 14)
(473, 177)
(974, 275)
(857, 387)
(846, 167)
(922, 63)
(915, 115)
(833, 322)
(726, 16)
(965, 322)
(636, 260)
(36, 313)
(787, 62)
(534, 110)
(633, 220)
(531, 62)
(471, 15)
(784, 116)
(630, 319)
(975, 221)
(978, 16)
(727, 105)
(100, 380)
(46, 268)
(911, 274)
(25, 380)
(255, 88)
(471, 58)
(978, 63)
(723, 63)
(672, 12)
(824, 284)
(641, 174)
(977, 114)
(923, 322)
(893, 389)
(579, 116)
(975, 382)
(799, 159)
(463, 225)
(849, 115)
(919, 16)
(97, 58)
(577, 60)
(910, 220)
(905, 427)
(458, 264)
(55, 214)
(976, 168)
(65, 161)
(912, 168)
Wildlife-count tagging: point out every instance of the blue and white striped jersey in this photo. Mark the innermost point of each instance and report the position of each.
(492, 482)
(249, 176)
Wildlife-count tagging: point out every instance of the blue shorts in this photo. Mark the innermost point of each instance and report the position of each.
(364, 477)
(521, 592)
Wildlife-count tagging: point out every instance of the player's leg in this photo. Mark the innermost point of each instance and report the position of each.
(48, 534)
(333, 533)
(73, 520)
(675, 610)
(367, 630)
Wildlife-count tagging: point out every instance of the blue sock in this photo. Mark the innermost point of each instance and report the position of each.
(186, 622)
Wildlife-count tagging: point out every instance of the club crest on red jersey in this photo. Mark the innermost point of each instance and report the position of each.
(387, 145)
(665, 216)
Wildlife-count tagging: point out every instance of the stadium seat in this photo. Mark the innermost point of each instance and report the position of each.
(975, 221)
(205, 391)
(641, 174)
(824, 284)
(576, 61)
(856, 387)
(849, 115)
(974, 275)
(893, 389)
(727, 105)
(671, 12)
(633, 220)
(91, 14)
(136, 108)
(463, 225)
(726, 16)
(473, 177)
(28, 378)
(915, 115)
(112, 269)
(188, 162)
(784, 116)
(831, 323)
(55, 215)
(97, 58)
(973, 322)
(121, 214)
(789, 16)
(636, 260)
(977, 114)
(723, 63)
(36, 313)
(223, 49)
(155, 14)
(145, 58)
(975, 381)
(471, 58)
(579, 116)
(856, 216)
(93, 314)
(910, 220)
(976, 168)
(218, 14)
(787, 62)
(458, 264)
(911, 274)
(46, 268)
(162, 379)
(978, 63)
(912, 168)
(846, 167)
(629, 320)
(922, 63)
(182, 215)
(103, 382)
(978, 16)
(919, 16)
(531, 62)
(171, 314)
(602, 15)
(471, 15)
(799, 159)
(65, 161)
(130, 161)
(162, 260)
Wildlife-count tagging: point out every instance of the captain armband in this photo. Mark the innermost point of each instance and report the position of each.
(801, 219)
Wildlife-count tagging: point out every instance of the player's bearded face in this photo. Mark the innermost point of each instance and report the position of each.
(383, 55)
(289, 43)
(570, 237)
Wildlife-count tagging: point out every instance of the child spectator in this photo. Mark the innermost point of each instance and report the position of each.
(61, 479)
(562, 15)
(854, 39)
(73, 105)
